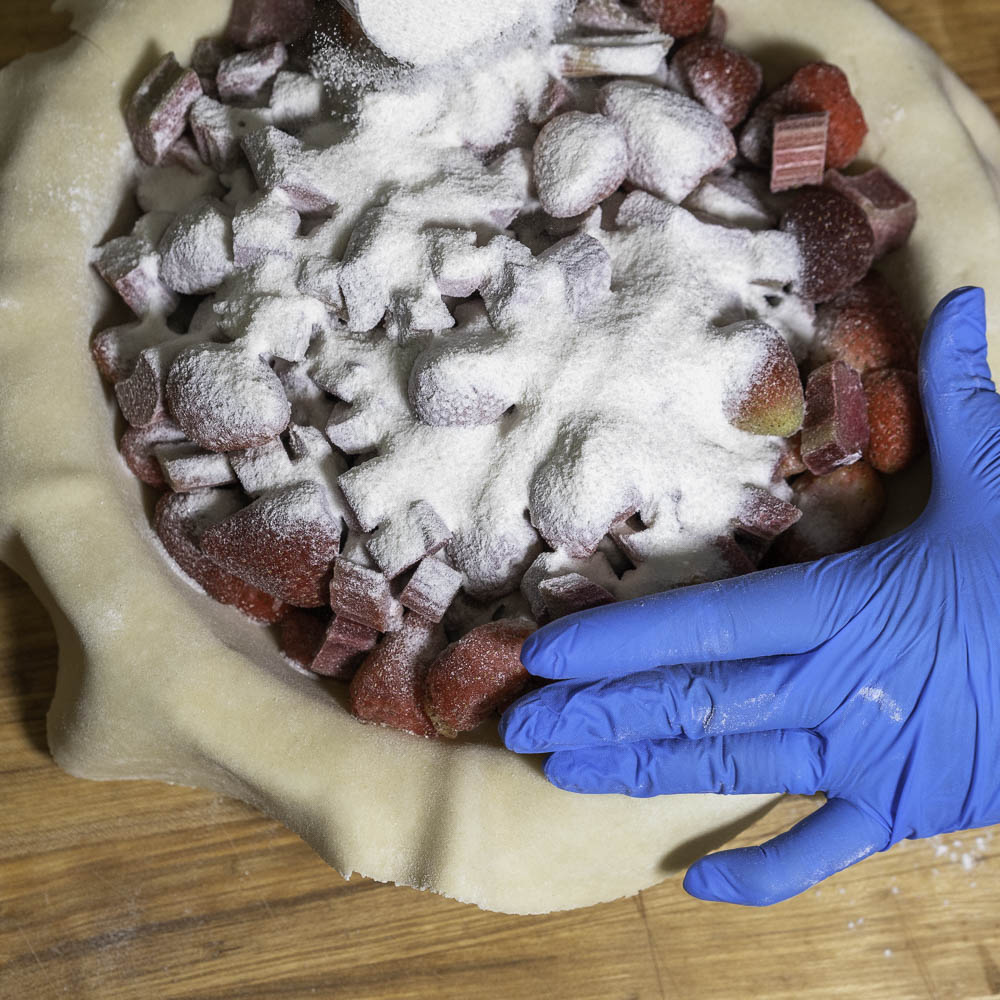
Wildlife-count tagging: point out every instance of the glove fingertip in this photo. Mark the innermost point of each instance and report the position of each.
(542, 653)
(712, 879)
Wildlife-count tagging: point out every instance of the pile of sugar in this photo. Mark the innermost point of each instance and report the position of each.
(603, 360)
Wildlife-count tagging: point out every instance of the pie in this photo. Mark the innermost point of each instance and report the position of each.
(159, 681)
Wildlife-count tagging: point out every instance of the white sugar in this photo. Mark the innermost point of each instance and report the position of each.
(582, 384)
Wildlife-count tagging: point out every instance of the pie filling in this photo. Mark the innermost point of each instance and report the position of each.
(438, 351)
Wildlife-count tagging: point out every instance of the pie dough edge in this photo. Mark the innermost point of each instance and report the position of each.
(180, 701)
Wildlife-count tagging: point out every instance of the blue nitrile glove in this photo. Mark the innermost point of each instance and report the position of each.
(873, 676)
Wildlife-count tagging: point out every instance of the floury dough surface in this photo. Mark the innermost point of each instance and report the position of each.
(157, 681)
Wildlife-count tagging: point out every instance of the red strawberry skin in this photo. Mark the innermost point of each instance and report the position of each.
(898, 435)
(679, 18)
(284, 543)
(727, 82)
(180, 522)
(824, 87)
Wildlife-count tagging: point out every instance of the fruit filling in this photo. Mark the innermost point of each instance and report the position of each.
(428, 352)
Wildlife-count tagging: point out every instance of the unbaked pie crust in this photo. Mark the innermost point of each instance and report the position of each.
(159, 681)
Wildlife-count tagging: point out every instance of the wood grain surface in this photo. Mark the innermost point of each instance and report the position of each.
(141, 890)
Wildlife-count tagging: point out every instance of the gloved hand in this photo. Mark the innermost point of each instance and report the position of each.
(873, 676)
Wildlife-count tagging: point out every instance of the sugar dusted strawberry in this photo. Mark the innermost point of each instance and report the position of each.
(835, 239)
(768, 400)
(226, 399)
(475, 676)
(657, 123)
(867, 327)
(579, 160)
(898, 435)
(679, 18)
(180, 521)
(388, 687)
(891, 209)
(284, 543)
(836, 425)
(137, 447)
(257, 22)
(157, 113)
(823, 87)
(726, 81)
(838, 510)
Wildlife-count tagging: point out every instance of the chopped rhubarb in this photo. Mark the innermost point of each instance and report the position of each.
(138, 445)
(765, 516)
(187, 467)
(431, 589)
(572, 592)
(799, 155)
(586, 270)
(836, 425)
(257, 22)
(343, 648)
(404, 540)
(243, 77)
(131, 266)
(141, 396)
(890, 208)
(157, 114)
(365, 596)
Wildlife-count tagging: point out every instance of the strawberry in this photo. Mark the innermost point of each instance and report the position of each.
(387, 687)
(838, 510)
(822, 87)
(898, 435)
(477, 675)
(771, 401)
(284, 543)
(679, 18)
(836, 241)
(867, 327)
(727, 82)
(180, 522)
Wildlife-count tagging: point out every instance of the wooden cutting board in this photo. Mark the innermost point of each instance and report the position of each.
(140, 890)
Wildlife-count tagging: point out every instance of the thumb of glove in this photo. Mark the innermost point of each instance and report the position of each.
(959, 398)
